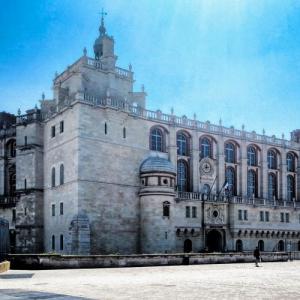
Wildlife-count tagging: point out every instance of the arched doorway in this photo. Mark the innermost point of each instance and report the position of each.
(239, 246)
(281, 245)
(214, 241)
(188, 246)
(261, 245)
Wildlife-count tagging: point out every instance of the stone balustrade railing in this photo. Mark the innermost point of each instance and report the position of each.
(8, 201)
(8, 132)
(170, 119)
(236, 200)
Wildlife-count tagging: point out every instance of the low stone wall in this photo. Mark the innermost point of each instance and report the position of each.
(47, 261)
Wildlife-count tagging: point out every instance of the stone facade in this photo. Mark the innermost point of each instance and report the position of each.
(92, 171)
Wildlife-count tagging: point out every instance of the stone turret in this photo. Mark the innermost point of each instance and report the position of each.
(104, 48)
(157, 195)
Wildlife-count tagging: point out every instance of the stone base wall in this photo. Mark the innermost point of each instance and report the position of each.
(45, 261)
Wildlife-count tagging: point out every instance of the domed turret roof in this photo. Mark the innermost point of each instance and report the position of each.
(157, 164)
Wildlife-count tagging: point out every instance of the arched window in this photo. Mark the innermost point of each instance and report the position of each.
(182, 144)
(251, 154)
(53, 177)
(206, 189)
(182, 176)
(53, 242)
(61, 174)
(281, 245)
(206, 148)
(272, 159)
(261, 245)
(251, 184)
(239, 246)
(166, 209)
(156, 140)
(290, 162)
(230, 181)
(290, 188)
(11, 148)
(272, 186)
(229, 153)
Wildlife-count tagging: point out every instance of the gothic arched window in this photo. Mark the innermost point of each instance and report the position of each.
(156, 140)
(272, 159)
(290, 162)
(272, 186)
(182, 176)
(61, 174)
(251, 183)
(182, 144)
(230, 181)
(290, 188)
(53, 177)
(166, 209)
(251, 155)
(229, 153)
(206, 148)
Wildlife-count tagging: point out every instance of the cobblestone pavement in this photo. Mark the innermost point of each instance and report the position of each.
(226, 281)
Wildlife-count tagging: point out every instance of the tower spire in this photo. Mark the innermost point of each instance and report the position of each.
(102, 29)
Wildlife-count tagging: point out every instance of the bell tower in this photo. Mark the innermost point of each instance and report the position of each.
(104, 47)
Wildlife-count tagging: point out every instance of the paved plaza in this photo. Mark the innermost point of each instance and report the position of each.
(224, 281)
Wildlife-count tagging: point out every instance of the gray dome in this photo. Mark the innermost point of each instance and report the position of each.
(157, 164)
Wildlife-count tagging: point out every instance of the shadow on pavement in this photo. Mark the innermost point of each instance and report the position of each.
(16, 294)
(16, 276)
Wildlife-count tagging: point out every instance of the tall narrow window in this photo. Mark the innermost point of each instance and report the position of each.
(182, 176)
(53, 210)
(206, 150)
(61, 126)
(61, 208)
(53, 177)
(272, 186)
(251, 154)
(105, 128)
(25, 184)
(290, 188)
(124, 132)
(52, 131)
(166, 209)
(61, 244)
(230, 181)
(182, 144)
(229, 153)
(240, 214)
(53, 242)
(267, 216)
(251, 183)
(25, 140)
(194, 212)
(290, 162)
(156, 140)
(61, 174)
(272, 159)
(187, 212)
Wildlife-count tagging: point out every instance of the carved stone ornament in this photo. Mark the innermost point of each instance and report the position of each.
(215, 214)
(206, 167)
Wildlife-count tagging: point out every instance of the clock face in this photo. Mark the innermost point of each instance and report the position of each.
(206, 168)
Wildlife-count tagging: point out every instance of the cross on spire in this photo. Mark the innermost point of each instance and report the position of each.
(102, 27)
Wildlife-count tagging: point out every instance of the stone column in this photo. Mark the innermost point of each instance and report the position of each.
(243, 170)
(264, 173)
(220, 163)
(195, 160)
(282, 176)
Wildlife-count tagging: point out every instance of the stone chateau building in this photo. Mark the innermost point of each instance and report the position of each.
(92, 171)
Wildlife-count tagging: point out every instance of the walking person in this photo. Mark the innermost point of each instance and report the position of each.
(256, 254)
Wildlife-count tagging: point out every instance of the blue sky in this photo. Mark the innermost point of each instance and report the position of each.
(235, 60)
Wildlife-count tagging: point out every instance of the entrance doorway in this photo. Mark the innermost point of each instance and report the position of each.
(188, 246)
(214, 241)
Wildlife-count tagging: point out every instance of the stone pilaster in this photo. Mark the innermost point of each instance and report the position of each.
(283, 176)
(195, 161)
(243, 170)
